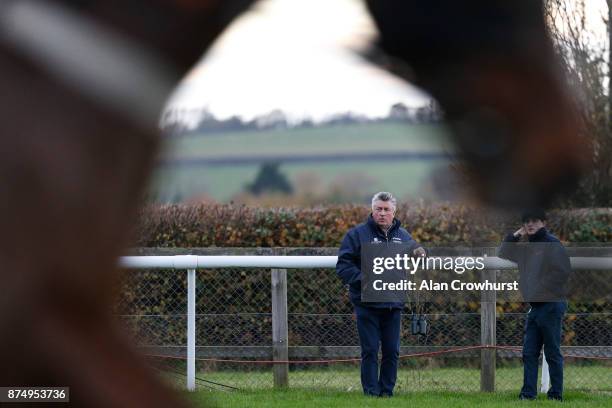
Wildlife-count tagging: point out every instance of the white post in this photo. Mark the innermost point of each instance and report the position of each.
(191, 292)
(545, 374)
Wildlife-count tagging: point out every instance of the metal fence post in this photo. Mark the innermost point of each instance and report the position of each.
(545, 382)
(488, 319)
(191, 292)
(280, 346)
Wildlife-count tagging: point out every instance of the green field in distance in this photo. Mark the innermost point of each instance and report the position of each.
(187, 171)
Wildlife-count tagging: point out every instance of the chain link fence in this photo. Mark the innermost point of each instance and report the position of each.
(234, 344)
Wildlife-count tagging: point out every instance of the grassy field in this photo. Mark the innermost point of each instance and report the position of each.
(223, 182)
(309, 398)
(578, 378)
(366, 138)
(177, 181)
(585, 386)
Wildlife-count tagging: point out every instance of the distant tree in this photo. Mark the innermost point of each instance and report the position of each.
(269, 179)
(232, 123)
(306, 123)
(275, 119)
(346, 118)
(422, 114)
(174, 122)
(430, 113)
(398, 111)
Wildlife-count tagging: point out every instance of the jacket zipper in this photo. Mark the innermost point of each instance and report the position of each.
(387, 243)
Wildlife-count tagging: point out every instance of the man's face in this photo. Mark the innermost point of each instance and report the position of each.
(383, 213)
(532, 225)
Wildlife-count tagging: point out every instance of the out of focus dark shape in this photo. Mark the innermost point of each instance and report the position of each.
(492, 67)
(585, 57)
(82, 86)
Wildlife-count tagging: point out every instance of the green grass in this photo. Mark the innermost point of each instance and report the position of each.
(411, 380)
(585, 386)
(299, 398)
(222, 182)
(367, 138)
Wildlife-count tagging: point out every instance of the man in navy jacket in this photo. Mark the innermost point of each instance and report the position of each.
(544, 269)
(378, 324)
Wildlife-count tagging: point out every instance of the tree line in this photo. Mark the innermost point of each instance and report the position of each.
(184, 122)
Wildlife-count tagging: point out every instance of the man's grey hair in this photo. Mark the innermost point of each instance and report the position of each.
(384, 196)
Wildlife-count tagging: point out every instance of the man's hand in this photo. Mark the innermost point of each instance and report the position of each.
(420, 251)
(520, 233)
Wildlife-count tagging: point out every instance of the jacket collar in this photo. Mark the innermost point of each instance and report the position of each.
(372, 224)
(540, 235)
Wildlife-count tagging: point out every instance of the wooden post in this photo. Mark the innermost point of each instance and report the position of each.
(488, 333)
(280, 346)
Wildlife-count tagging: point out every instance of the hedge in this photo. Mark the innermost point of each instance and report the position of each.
(241, 226)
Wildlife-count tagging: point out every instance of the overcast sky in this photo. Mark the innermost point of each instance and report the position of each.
(289, 55)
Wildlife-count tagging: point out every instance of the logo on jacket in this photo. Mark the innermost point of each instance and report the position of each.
(376, 241)
(397, 240)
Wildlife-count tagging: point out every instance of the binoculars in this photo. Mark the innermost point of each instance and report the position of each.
(418, 325)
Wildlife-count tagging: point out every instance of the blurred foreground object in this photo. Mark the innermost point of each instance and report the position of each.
(82, 83)
(492, 67)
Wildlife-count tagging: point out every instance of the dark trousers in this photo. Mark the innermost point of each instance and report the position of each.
(543, 328)
(378, 328)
